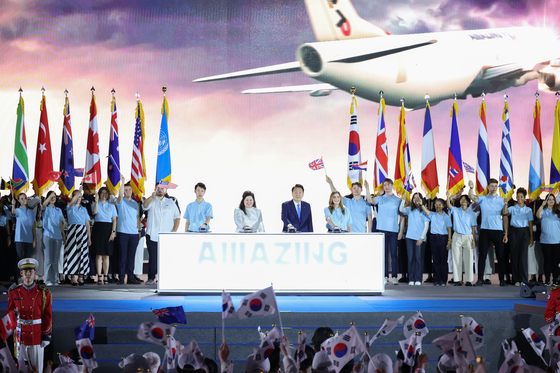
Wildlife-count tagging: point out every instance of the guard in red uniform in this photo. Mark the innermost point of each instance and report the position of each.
(553, 304)
(33, 306)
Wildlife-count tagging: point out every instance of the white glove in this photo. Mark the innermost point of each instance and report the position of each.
(45, 343)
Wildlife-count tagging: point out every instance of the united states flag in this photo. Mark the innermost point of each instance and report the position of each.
(317, 164)
(138, 174)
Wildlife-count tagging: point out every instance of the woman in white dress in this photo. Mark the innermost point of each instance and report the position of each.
(247, 216)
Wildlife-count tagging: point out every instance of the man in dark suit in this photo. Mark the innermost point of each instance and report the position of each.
(296, 214)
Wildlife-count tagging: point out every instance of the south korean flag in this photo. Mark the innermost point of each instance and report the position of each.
(344, 348)
(228, 310)
(259, 303)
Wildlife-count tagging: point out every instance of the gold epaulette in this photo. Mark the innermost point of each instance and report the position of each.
(554, 288)
(43, 287)
(14, 286)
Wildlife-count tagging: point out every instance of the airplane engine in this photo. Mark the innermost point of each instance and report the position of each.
(549, 79)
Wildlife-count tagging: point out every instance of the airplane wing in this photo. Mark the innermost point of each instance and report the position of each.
(509, 70)
(322, 89)
(268, 70)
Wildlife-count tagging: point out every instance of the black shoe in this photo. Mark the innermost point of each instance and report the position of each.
(430, 279)
(533, 279)
(111, 280)
(451, 281)
(503, 283)
(478, 283)
(403, 279)
(81, 284)
(138, 279)
(89, 280)
(133, 282)
(121, 282)
(67, 280)
(74, 284)
(487, 282)
(509, 282)
(468, 284)
(458, 284)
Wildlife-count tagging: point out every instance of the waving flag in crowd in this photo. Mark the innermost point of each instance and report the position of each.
(114, 162)
(381, 171)
(555, 161)
(138, 169)
(163, 169)
(317, 164)
(87, 329)
(7, 364)
(85, 350)
(171, 315)
(430, 182)
(475, 331)
(402, 165)
(43, 158)
(155, 332)
(344, 348)
(483, 156)
(536, 168)
(506, 159)
(259, 303)
(535, 341)
(454, 160)
(410, 347)
(354, 150)
(387, 328)
(7, 325)
(92, 175)
(415, 324)
(20, 174)
(66, 181)
(228, 309)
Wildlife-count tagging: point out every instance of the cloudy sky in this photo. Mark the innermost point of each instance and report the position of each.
(230, 141)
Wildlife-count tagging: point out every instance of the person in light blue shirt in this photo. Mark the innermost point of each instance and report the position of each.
(76, 252)
(440, 241)
(7, 263)
(53, 237)
(549, 214)
(463, 241)
(336, 215)
(520, 236)
(104, 233)
(128, 232)
(199, 212)
(417, 228)
(357, 206)
(25, 235)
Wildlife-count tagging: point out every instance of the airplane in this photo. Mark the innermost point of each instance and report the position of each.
(352, 52)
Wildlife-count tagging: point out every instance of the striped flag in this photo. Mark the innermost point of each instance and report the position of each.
(536, 168)
(43, 158)
(20, 173)
(362, 166)
(66, 181)
(402, 165)
(114, 163)
(138, 173)
(482, 156)
(92, 175)
(429, 175)
(163, 168)
(555, 161)
(506, 159)
(454, 161)
(381, 165)
(354, 151)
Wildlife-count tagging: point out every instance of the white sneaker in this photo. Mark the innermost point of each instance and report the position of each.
(49, 284)
(417, 283)
(387, 280)
(411, 283)
(395, 281)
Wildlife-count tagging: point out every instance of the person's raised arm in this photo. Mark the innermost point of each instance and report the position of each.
(505, 210)
(329, 181)
(74, 199)
(540, 210)
(121, 191)
(472, 196)
(449, 205)
(423, 207)
(371, 200)
(149, 200)
(96, 204)
(402, 206)
(48, 201)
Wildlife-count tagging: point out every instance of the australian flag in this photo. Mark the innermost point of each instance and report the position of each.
(86, 330)
(171, 315)
(66, 181)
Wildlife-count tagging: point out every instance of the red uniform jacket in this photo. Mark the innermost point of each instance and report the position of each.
(552, 305)
(34, 307)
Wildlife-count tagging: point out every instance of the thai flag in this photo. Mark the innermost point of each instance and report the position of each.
(429, 175)
(482, 156)
(468, 168)
(362, 166)
(381, 167)
(506, 159)
(317, 164)
(454, 161)
(536, 169)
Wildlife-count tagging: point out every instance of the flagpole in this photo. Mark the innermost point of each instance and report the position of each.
(279, 317)
(324, 167)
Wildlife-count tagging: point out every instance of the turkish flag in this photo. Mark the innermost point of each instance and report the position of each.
(43, 159)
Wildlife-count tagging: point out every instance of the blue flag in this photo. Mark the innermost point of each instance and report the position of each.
(113, 164)
(163, 170)
(171, 315)
(66, 182)
(86, 330)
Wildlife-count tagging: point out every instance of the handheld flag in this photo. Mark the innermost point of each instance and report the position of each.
(512, 363)
(410, 347)
(66, 181)
(138, 169)
(171, 353)
(402, 165)
(43, 158)
(506, 159)
(536, 168)
(317, 164)
(7, 325)
(85, 349)
(362, 166)
(155, 332)
(22, 358)
(92, 175)
(300, 354)
(469, 168)
(167, 185)
(114, 162)
(265, 349)
(354, 151)
(163, 170)
(381, 168)
(415, 324)
(20, 174)
(430, 182)
(534, 340)
(344, 348)
(228, 310)
(554, 350)
(475, 331)
(483, 156)
(555, 161)
(454, 160)
(171, 315)
(259, 303)
(387, 328)
(7, 363)
(87, 329)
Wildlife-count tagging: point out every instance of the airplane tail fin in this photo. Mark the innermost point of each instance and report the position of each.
(338, 20)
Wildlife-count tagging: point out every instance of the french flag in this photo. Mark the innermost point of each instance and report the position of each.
(483, 156)
(429, 169)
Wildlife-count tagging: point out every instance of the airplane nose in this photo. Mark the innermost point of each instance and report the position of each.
(310, 59)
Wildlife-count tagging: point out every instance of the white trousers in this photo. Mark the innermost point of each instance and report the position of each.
(461, 245)
(139, 258)
(36, 354)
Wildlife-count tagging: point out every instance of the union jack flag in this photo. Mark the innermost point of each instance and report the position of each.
(86, 330)
(91, 321)
(317, 164)
(161, 312)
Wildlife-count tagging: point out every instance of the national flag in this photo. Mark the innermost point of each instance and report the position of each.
(92, 175)
(387, 328)
(344, 348)
(554, 350)
(354, 150)
(534, 340)
(451, 346)
(171, 353)
(274, 335)
(509, 348)
(300, 352)
(512, 363)
(415, 324)
(317, 164)
(7, 364)
(506, 159)
(138, 169)
(265, 349)
(469, 168)
(555, 160)
(22, 358)
(66, 181)
(410, 347)
(114, 162)
(163, 169)
(362, 166)
(54, 176)
(402, 165)
(553, 328)
(155, 332)
(466, 345)
(259, 303)
(454, 160)
(447, 343)
(381, 165)
(20, 174)
(482, 155)
(328, 341)
(475, 331)
(85, 350)
(7, 325)
(536, 168)
(194, 350)
(430, 182)
(171, 315)
(228, 309)
(167, 185)
(87, 329)
(43, 158)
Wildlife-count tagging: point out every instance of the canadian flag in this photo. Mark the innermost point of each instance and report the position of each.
(7, 325)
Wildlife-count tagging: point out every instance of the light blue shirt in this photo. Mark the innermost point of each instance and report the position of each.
(339, 219)
(52, 216)
(106, 212)
(439, 223)
(196, 213)
(77, 215)
(520, 216)
(5, 218)
(24, 225)
(127, 221)
(359, 211)
(463, 220)
(416, 223)
(491, 210)
(550, 227)
(388, 213)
